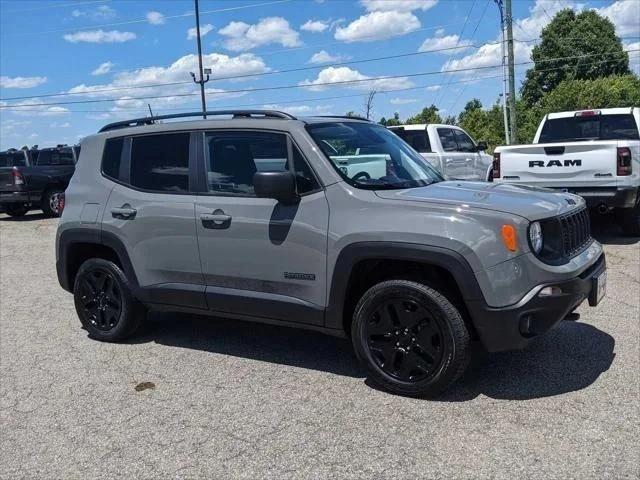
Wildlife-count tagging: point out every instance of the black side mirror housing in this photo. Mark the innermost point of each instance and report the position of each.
(278, 185)
(482, 146)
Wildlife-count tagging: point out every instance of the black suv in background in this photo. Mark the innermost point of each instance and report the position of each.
(35, 178)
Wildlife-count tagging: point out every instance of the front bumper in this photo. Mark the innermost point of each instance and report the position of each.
(612, 197)
(513, 327)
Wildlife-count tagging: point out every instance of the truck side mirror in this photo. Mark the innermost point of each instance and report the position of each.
(278, 185)
(482, 146)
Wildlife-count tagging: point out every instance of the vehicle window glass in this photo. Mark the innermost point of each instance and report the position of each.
(111, 157)
(12, 159)
(596, 127)
(418, 139)
(161, 162)
(234, 157)
(62, 157)
(465, 144)
(305, 180)
(447, 139)
(43, 157)
(372, 157)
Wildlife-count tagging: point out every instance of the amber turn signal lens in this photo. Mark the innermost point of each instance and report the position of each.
(510, 238)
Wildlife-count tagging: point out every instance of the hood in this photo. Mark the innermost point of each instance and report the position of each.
(532, 203)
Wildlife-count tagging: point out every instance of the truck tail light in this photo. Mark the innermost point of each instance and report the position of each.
(624, 161)
(61, 202)
(495, 172)
(587, 113)
(18, 178)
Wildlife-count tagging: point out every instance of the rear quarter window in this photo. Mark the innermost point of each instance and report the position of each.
(111, 157)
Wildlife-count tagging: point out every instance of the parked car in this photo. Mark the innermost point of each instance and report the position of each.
(178, 216)
(449, 149)
(35, 179)
(593, 153)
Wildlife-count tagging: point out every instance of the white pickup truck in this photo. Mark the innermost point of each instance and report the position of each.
(449, 149)
(592, 153)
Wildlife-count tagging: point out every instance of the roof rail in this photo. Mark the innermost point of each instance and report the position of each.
(352, 117)
(136, 122)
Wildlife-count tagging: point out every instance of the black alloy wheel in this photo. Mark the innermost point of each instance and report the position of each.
(101, 299)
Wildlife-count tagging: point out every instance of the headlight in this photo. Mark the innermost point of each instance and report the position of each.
(535, 237)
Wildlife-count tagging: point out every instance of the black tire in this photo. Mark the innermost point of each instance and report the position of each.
(630, 221)
(51, 202)
(104, 301)
(427, 347)
(16, 210)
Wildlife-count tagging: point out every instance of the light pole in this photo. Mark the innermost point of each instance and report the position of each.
(512, 82)
(507, 137)
(202, 80)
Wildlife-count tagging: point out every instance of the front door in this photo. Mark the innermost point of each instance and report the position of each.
(261, 258)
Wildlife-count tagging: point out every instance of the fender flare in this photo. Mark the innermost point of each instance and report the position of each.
(450, 260)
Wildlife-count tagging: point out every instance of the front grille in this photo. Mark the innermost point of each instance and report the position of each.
(575, 229)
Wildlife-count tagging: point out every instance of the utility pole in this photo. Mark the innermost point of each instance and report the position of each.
(512, 81)
(202, 80)
(507, 137)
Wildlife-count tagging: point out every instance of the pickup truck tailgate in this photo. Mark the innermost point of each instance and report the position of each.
(562, 164)
(6, 179)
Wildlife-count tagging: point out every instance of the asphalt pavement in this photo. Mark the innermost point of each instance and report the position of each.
(193, 397)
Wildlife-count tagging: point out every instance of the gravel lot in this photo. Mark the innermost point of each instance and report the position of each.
(238, 400)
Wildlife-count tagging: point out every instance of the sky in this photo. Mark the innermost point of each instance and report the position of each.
(306, 57)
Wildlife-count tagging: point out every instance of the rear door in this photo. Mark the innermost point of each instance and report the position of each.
(261, 257)
(151, 210)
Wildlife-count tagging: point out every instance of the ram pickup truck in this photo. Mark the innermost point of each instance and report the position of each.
(592, 153)
(35, 178)
(449, 149)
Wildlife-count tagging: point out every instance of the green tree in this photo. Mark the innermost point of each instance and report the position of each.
(483, 125)
(585, 34)
(427, 115)
(471, 105)
(391, 121)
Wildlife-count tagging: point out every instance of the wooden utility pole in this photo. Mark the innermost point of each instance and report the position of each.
(512, 82)
(202, 80)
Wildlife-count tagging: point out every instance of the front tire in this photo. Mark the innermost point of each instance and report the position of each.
(411, 339)
(51, 202)
(630, 221)
(104, 301)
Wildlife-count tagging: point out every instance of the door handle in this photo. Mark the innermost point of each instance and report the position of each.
(125, 212)
(217, 220)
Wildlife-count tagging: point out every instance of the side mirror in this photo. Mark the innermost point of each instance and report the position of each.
(482, 146)
(278, 185)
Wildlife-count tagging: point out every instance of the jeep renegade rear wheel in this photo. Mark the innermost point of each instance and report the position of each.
(104, 302)
(411, 339)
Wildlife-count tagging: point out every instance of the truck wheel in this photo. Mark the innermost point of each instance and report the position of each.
(410, 338)
(51, 205)
(16, 210)
(631, 221)
(104, 302)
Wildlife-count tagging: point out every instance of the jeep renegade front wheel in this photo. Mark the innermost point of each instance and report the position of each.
(104, 302)
(411, 339)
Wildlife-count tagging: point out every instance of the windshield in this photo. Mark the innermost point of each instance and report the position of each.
(595, 127)
(370, 156)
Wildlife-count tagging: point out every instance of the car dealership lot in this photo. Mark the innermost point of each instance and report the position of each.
(236, 400)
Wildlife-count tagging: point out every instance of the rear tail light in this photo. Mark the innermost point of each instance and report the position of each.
(495, 173)
(624, 161)
(587, 113)
(61, 202)
(18, 179)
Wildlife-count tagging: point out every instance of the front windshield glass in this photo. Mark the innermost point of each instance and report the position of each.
(370, 156)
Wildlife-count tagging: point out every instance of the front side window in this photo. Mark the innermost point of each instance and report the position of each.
(465, 144)
(370, 156)
(232, 158)
(160, 162)
(447, 139)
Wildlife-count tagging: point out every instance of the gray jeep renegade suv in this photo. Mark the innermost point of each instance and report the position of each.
(258, 215)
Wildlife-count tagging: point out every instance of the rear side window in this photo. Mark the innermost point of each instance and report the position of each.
(418, 139)
(112, 157)
(62, 157)
(161, 162)
(596, 127)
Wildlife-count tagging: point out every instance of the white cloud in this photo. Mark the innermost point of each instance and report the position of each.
(103, 12)
(315, 26)
(433, 88)
(21, 82)
(30, 108)
(99, 36)
(155, 18)
(625, 15)
(634, 56)
(60, 125)
(449, 42)
(402, 101)
(204, 29)
(357, 79)
(103, 68)
(325, 57)
(398, 5)
(300, 109)
(242, 36)
(378, 26)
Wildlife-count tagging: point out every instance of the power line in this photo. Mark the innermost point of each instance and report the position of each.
(57, 5)
(320, 84)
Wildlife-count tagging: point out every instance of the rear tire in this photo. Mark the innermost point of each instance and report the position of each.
(16, 210)
(51, 202)
(630, 221)
(411, 339)
(104, 301)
